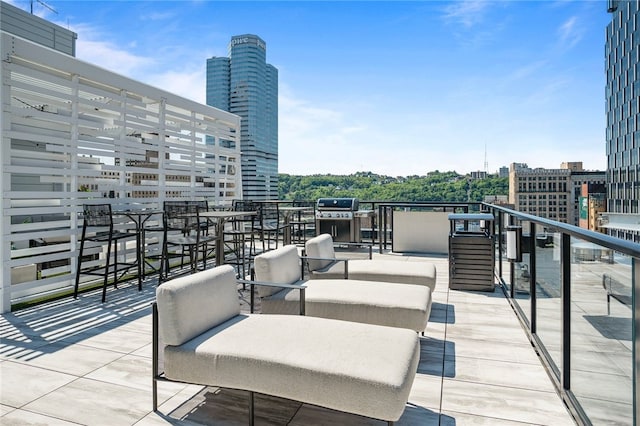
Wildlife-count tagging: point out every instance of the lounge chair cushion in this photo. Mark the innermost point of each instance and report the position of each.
(378, 303)
(391, 271)
(320, 247)
(187, 311)
(324, 362)
(407, 306)
(280, 266)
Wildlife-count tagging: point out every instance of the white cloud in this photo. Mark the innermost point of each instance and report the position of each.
(570, 32)
(467, 13)
(317, 139)
(156, 16)
(189, 84)
(109, 56)
(527, 71)
(313, 136)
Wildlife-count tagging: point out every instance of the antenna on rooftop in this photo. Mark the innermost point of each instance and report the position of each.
(486, 164)
(44, 4)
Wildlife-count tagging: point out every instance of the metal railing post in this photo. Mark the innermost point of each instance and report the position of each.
(565, 285)
(532, 279)
(635, 296)
(500, 233)
(512, 268)
(380, 229)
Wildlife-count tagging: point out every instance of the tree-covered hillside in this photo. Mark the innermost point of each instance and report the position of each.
(436, 186)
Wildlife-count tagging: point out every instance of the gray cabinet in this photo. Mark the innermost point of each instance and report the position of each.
(471, 252)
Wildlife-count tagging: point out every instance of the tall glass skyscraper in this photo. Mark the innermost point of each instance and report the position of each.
(244, 84)
(622, 64)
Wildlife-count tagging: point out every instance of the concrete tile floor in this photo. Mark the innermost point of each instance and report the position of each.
(82, 362)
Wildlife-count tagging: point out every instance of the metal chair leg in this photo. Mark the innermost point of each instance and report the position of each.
(251, 411)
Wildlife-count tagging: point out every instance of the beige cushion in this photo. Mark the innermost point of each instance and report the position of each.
(390, 271)
(405, 306)
(281, 266)
(347, 366)
(191, 305)
(320, 247)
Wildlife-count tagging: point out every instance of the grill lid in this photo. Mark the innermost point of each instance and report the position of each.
(337, 204)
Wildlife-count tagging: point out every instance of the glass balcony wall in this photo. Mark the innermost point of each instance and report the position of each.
(574, 292)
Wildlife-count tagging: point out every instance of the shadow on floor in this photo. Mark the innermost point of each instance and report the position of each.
(432, 357)
(27, 333)
(442, 313)
(215, 406)
(615, 328)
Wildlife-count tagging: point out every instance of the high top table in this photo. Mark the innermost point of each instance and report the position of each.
(287, 212)
(220, 217)
(139, 217)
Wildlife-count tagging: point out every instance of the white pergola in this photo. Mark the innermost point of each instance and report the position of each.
(73, 133)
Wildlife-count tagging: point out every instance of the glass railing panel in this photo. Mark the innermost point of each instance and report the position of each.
(548, 293)
(601, 332)
(522, 274)
(502, 264)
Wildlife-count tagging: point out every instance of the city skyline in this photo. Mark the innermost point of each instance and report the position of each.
(395, 88)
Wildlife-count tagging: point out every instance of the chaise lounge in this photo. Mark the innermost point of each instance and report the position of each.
(394, 305)
(323, 264)
(356, 368)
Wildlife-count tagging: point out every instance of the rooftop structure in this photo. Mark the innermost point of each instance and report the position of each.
(33, 28)
(73, 133)
(557, 332)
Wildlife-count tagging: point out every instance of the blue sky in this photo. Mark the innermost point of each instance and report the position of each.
(396, 88)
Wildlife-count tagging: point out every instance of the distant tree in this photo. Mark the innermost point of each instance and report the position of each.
(435, 186)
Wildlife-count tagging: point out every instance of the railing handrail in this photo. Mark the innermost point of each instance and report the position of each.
(629, 248)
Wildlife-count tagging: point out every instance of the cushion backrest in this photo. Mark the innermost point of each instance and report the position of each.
(280, 266)
(322, 247)
(190, 305)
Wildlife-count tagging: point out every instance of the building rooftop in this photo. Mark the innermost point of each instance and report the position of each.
(82, 362)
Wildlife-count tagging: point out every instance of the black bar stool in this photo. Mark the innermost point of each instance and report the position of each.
(239, 234)
(98, 228)
(183, 229)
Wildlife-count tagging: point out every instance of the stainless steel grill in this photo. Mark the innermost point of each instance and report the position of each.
(340, 218)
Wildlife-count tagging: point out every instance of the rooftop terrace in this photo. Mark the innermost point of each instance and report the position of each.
(82, 362)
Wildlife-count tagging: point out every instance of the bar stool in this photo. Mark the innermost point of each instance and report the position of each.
(240, 233)
(183, 230)
(98, 228)
(304, 224)
(267, 224)
(154, 250)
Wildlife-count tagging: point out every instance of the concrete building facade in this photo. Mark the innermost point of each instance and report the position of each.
(550, 193)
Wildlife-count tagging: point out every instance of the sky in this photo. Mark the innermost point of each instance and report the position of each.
(394, 88)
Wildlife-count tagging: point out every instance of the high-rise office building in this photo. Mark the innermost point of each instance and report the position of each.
(540, 192)
(551, 193)
(244, 84)
(622, 68)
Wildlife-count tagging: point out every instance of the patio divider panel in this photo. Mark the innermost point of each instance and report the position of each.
(74, 133)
